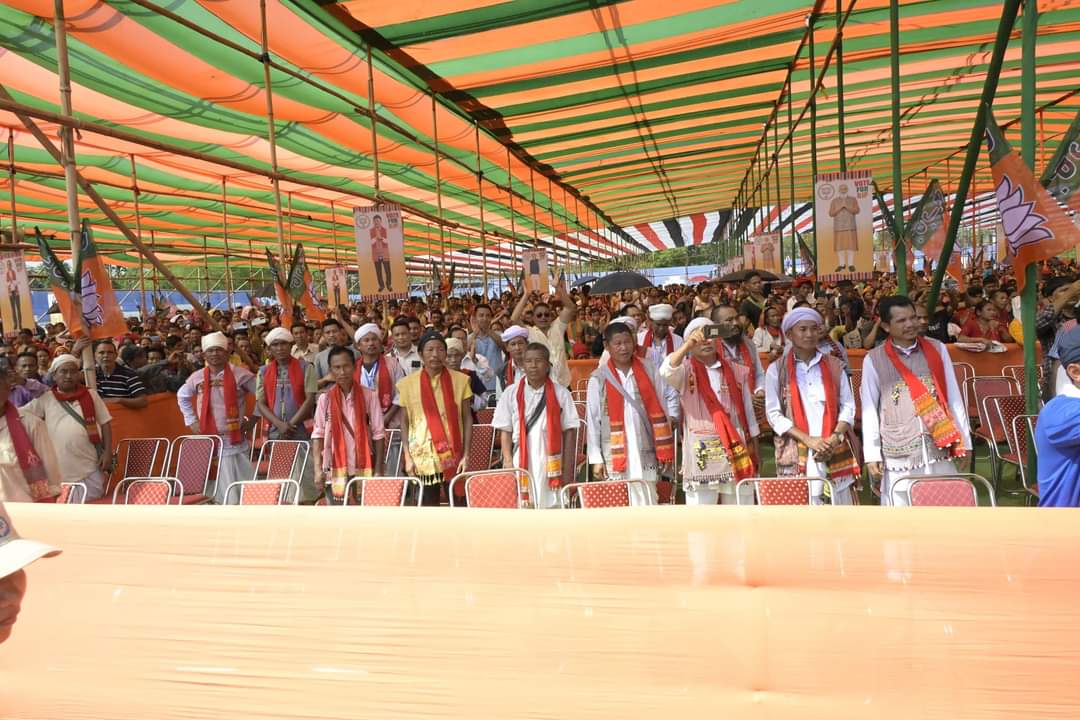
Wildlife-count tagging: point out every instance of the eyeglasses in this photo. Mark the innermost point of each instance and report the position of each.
(541, 316)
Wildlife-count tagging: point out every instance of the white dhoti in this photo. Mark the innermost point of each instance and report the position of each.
(95, 485)
(234, 466)
(896, 493)
(724, 493)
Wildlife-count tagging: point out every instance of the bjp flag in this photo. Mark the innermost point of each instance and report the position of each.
(1035, 226)
(283, 298)
(85, 297)
(301, 287)
(1062, 176)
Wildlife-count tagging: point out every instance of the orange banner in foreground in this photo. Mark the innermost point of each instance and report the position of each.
(679, 612)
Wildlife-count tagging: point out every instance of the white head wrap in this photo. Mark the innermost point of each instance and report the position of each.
(277, 335)
(215, 340)
(62, 360)
(366, 329)
(625, 320)
(514, 331)
(454, 343)
(798, 315)
(698, 322)
(663, 311)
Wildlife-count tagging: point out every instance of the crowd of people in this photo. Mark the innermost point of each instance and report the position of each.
(680, 373)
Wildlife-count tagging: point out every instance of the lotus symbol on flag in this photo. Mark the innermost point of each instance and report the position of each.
(91, 301)
(1023, 226)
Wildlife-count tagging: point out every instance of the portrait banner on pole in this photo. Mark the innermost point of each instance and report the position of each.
(767, 253)
(749, 253)
(380, 252)
(16, 311)
(844, 220)
(337, 286)
(536, 270)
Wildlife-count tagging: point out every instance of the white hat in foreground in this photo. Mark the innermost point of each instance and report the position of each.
(16, 552)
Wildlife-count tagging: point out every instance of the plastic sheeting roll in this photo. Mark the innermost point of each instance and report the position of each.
(681, 612)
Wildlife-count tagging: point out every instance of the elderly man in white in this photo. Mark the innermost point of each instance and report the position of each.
(212, 402)
(810, 406)
(380, 373)
(657, 338)
(516, 339)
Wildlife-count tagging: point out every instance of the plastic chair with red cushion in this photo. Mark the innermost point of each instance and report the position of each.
(145, 491)
(381, 491)
(485, 415)
(1020, 432)
(1016, 372)
(263, 492)
(479, 451)
(492, 488)
(950, 490)
(282, 460)
(1003, 410)
(600, 494)
(856, 385)
(72, 493)
(778, 490)
(194, 460)
(139, 457)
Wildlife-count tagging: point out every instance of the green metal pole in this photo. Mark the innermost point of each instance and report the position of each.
(897, 170)
(813, 148)
(1028, 299)
(791, 179)
(978, 129)
(840, 85)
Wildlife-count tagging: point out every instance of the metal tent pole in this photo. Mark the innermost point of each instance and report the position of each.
(897, 170)
(11, 179)
(813, 149)
(225, 238)
(1028, 298)
(371, 113)
(138, 231)
(271, 131)
(480, 194)
(438, 181)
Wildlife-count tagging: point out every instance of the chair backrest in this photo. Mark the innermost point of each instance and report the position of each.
(491, 488)
(949, 490)
(983, 386)
(485, 415)
(856, 385)
(281, 459)
(600, 494)
(73, 493)
(1016, 372)
(143, 457)
(381, 491)
(582, 385)
(1001, 409)
(144, 491)
(582, 409)
(778, 490)
(264, 492)
(394, 452)
(580, 396)
(194, 459)
(479, 450)
(1022, 427)
(964, 372)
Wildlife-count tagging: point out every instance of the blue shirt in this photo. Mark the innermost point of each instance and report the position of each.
(1057, 444)
(487, 347)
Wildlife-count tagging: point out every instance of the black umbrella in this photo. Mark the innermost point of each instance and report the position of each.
(584, 281)
(740, 275)
(619, 281)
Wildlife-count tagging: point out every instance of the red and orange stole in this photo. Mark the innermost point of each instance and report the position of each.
(934, 412)
(841, 462)
(384, 385)
(296, 382)
(232, 406)
(742, 465)
(553, 465)
(446, 438)
(86, 404)
(661, 429)
(649, 340)
(344, 420)
(31, 464)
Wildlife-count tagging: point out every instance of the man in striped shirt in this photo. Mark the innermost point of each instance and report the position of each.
(116, 383)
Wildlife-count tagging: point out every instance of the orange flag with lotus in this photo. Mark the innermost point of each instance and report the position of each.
(85, 297)
(1035, 226)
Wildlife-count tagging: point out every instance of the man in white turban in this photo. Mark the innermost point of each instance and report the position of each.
(79, 425)
(810, 406)
(285, 392)
(657, 338)
(380, 373)
(213, 402)
(515, 339)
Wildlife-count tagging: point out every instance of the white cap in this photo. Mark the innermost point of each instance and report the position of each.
(625, 320)
(798, 315)
(454, 343)
(61, 360)
(368, 329)
(214, 340)
(698, 322)
(514, 331)
(663, 311)
(16, 552)
(278, 334)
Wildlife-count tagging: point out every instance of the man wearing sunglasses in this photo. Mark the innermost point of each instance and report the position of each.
(550, 329)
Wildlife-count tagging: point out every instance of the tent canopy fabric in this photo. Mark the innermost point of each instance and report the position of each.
(575, 124)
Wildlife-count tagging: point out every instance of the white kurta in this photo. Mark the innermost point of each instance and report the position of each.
(13, 487)
(508, 418)
(78, 457)
(812, 393)
(870, 392)
(637, 430)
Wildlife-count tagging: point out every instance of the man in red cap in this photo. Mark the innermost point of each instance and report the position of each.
(15, 554)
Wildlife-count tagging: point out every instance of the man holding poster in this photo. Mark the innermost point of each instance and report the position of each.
(15, 308)
(380, 251)
(337, 292)
(536, 270)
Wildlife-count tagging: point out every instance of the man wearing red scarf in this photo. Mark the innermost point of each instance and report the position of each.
(810, 407)
(629, 433)
(79, 425)
(28, 466)
(719, 426)
(380, 373)
(285, 392)
(213, 401)
(537, 420)
(914, 418)
(657, 339)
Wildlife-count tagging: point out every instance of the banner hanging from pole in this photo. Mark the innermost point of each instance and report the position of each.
(844, 217)
(337, 286)
(536, 270)
(380, 251)
(767, 253)
(16, 311)
(749, 253)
